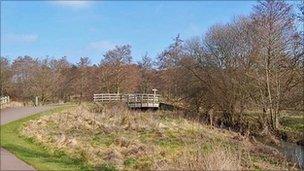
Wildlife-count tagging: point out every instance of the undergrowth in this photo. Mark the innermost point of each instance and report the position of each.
(118, 138)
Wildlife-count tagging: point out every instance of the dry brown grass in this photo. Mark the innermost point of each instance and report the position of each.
(140, 140)
(11, 104)
(217, 159)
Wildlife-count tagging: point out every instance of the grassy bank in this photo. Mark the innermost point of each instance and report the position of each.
(292, 126)
(33, 153)
(117, 138)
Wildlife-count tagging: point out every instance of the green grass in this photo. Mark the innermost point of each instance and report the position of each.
(130, 162)
(293, 122)
(292, 126)
(34, 154)
(290, 121)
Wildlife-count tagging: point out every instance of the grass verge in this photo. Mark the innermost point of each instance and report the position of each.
(33, 153)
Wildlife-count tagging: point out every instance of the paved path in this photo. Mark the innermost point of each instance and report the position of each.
(8, 160)
(11, 114)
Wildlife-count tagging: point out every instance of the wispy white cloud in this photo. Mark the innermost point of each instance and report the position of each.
(20, 38)
(100, 45)
(73, 4)
(193, 30)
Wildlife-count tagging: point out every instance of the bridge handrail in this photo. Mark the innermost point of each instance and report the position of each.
(136, 97)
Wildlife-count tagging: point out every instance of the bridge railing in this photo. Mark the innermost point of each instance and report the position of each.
(143, 98)
(107, 97)
(129, 98)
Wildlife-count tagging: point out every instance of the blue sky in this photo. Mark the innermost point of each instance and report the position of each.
(88, 28)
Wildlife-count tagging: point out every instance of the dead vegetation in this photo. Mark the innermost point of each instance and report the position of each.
(126, 139)
(11, 104)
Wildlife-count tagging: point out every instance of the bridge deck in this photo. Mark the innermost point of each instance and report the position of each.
(132, 100)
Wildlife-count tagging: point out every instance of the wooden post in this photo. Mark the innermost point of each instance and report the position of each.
(142, 100)
(128, 103)
(36, 101)
(154, 95)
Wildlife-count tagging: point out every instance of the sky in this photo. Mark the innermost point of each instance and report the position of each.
(89, 28)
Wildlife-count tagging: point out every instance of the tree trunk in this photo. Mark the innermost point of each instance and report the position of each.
(270, 105)
(211, 116)
(277, 110)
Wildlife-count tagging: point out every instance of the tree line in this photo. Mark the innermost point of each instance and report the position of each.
(254, 62)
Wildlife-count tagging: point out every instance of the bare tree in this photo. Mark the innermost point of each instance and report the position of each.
(83, 81)
(5, 76)
(146, 72)
(23, 72)
(274, 28)
(168, 63)
(114, 67)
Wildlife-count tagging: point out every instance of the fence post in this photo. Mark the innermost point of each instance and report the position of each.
(154, 95)
(127, 100)
(36, 101)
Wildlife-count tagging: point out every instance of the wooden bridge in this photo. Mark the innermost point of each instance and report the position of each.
(132, 100)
